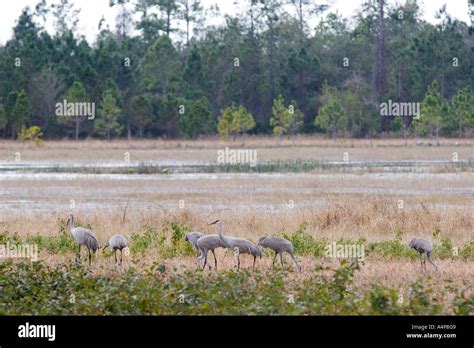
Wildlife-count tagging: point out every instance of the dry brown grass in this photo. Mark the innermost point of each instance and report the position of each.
(333, 205)
(269, 149)
(373, 218)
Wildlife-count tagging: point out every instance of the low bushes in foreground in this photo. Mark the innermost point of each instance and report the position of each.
(67, 289)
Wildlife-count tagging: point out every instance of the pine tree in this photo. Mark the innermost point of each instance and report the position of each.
(285, 120)
(141, 113)
(331, 116)
(235, 121)
(197, 118)
(76, 94)
(107, 124)
(21, 111)
(3, 118)
(462, 109)
(431, 112)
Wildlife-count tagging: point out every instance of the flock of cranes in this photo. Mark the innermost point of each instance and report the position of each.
(203, 243)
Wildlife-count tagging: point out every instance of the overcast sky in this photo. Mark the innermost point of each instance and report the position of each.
(93, 10)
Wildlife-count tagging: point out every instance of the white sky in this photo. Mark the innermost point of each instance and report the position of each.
(93, 10)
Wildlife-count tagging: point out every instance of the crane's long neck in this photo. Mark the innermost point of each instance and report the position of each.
(225, 240)
(71, 223)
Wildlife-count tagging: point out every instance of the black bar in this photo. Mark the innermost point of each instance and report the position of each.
(139, 330)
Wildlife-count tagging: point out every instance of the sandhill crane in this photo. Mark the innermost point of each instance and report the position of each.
(238, 245)
(192, 237)
(206, 243)
(83, 236)
(116, 242)
(279, 246)
(424, 247)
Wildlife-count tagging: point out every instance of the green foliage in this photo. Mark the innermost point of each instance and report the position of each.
(383, 301)
(6, 237)
(141, 113)
(169, 241)
(234, 121)
(3, 117)
(31, 288)
(391, 249)
(159, 67)
(76, 93)
(285, 120)
(443, 250)
(278, 56)
(462, 110)
(61, 243)
(431, 112)
(331, 116)
(305, 244)
(107, 124)
(150, 237)
(197, 118)
(467, 251)
(421, 300)
(21, 111)
(32, 134)
(330, 294)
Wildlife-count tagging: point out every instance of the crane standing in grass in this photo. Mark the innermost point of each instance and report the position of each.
(425, 248)
(279, 246)
(83, 236)
(238, 245)
(206, 243)
(117, 242)
(192, 237)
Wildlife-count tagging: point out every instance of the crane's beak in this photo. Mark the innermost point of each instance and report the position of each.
(68, 221)
(215, 222)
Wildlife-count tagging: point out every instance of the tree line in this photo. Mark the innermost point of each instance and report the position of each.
(284, 67)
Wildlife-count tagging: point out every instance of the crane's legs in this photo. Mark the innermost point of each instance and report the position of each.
(254, 259)
(121, 256)
(90, 257)
(198, 259)
(281, 260)
(115, 256)
(205, 261)
(238, 262)
(423, 264)
(215, 259)
(274, 258)
(78, 255)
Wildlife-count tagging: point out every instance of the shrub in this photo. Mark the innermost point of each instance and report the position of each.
(32, 288)
(304, 243)
(32, 134)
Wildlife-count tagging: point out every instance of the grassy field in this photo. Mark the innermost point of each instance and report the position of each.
(269, 149)
(380, 210)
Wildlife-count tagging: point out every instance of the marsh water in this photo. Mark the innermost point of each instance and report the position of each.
(39, 187)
